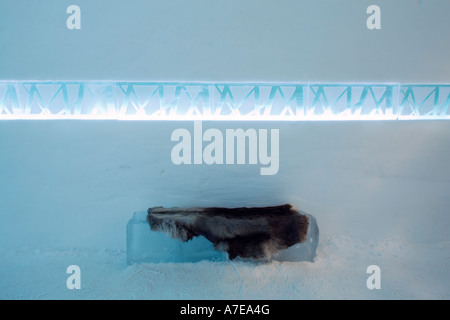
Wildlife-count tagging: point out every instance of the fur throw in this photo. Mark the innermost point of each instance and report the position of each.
(241, 232)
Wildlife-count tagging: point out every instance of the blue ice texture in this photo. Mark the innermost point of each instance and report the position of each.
(144, 245)
(222, 101)
(147, 246)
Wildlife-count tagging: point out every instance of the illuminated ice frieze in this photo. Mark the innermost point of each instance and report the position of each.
(221, 101)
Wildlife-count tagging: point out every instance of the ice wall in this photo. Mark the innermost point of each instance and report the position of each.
(77, 183)
(252, 40)
(379, 190)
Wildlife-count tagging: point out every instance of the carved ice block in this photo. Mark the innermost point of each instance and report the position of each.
(144, 245)
(147, 246)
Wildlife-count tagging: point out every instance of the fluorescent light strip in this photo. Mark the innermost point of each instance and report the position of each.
(117, 100)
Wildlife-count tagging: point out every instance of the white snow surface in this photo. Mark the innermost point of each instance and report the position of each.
(379, 192)
(408, 271)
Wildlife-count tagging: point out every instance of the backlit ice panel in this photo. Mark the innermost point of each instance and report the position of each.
(221, 101)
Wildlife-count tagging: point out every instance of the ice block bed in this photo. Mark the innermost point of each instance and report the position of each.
(189, 235)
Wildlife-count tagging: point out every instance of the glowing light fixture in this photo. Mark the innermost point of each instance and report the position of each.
(222, 101)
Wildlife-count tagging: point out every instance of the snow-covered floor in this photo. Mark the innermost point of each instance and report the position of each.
(379, 192)
(408, 271)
